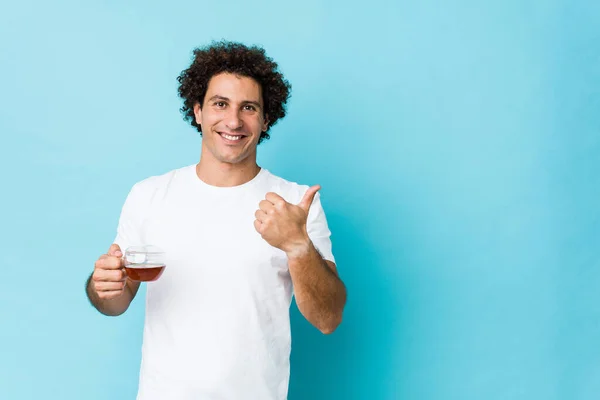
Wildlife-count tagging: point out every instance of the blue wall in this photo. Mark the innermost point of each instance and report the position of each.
(457, 143)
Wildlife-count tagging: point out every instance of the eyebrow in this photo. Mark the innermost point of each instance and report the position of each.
(219, 97)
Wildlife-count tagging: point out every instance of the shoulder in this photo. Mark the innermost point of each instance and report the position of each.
(148, 187)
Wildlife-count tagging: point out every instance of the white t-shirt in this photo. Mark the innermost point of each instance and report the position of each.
(217, 321)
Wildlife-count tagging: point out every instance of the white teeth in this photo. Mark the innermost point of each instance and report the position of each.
(231, 137)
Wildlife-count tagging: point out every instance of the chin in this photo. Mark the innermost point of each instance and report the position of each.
(233, 159)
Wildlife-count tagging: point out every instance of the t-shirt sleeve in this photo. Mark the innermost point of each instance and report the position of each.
(318, 229)
(129, 228)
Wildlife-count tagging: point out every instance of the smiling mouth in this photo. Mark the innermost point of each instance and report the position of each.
(232, 138)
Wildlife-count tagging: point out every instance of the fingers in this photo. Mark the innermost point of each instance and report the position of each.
(109, 275)
(112, 260)
(109, 286)
(115, 250)
(275, 199)
(260, 215)
(266, 206)
(308, 197)
(258, 226)
(109, 262)
(111, 294)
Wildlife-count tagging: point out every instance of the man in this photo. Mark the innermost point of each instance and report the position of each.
(239, 241)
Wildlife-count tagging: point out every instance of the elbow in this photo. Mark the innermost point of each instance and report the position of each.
(327, 330)
(331, 325)
(335, 318)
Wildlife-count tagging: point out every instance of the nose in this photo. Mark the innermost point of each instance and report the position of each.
(233, 120)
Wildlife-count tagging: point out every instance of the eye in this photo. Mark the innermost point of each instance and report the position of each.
(249, 107)
(220, 104)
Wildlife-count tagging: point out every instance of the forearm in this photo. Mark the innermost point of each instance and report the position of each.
(110, 307)
(320, 294)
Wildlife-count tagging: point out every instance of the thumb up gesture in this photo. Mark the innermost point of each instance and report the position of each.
(282, 224)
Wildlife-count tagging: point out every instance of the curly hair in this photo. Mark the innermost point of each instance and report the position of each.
(238, 59)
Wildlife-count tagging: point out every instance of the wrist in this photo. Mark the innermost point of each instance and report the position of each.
(299, 249)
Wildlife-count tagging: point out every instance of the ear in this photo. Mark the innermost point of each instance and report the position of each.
(265, 123)
(198, 113)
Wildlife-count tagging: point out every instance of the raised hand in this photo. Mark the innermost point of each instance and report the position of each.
(282, 224)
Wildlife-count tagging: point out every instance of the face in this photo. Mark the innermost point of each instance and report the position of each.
(231, 118)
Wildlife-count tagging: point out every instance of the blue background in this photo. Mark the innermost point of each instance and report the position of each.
(457, 143)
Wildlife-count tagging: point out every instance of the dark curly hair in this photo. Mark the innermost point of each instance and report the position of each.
(239, 59)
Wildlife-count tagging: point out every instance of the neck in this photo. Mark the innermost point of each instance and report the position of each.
(222, 174)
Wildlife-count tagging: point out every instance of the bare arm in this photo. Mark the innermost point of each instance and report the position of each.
(108, 288)
(320, 294)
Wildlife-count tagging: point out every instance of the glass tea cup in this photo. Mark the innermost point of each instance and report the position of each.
(144, 263)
